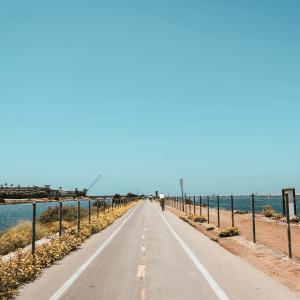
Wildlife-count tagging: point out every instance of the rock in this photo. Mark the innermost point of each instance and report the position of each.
(294, 219)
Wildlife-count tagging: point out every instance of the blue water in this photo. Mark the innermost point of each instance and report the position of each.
(241, 203)
(13, 213)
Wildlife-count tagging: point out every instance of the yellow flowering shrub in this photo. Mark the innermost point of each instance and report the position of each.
(24, 266)
(197, 218)
(229, 231)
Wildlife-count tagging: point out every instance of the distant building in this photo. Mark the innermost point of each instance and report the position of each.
(36, 190)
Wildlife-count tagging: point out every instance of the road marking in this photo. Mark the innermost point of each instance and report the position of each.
(67, 284)
(141, 271)
(143, 248)
(216, 288)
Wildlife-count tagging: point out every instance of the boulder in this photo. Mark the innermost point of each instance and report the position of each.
(294, 219)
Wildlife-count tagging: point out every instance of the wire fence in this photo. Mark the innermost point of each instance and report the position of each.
(20, 224)
(279, 207)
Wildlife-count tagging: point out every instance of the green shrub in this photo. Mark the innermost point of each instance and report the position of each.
(69, 214)
(214, 239)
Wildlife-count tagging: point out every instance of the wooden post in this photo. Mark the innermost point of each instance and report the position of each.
(97, 208)
(194, 204)
(232, 217)
(60, 217)
(253, 218)
(89, 210)
(288, 229)
(78, 215)
(218, 204)
(200, 203)
(207, 209)
(33, 228)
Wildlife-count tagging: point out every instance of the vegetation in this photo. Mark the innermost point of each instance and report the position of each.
(210, 228)
(197, 218)
(268, 212)
(24, 267)
(229, 231)
(214, 239)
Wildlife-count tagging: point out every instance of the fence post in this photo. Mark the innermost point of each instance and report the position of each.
(103, 206)
(33, 228)
(190, 204)
(218, 204)
(200, 204)
(89, 210)
(185, 204)
(108, 206)
(194, 204)
(207, 209)
(97, 208)
(78, 215)
(253, 218)
(288, 229)
(60, 217)
(232, 217)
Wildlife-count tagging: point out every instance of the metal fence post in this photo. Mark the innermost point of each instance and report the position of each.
(89, 210)
(288, 229)
(253, 218)
(232, 217)
(78, 215)
(97, 208)
(60, 217)
(33, 228)
(218, 204)
(194, 204)
(208, 209)
(200, 204)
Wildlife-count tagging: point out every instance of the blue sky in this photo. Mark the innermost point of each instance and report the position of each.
(148, 92)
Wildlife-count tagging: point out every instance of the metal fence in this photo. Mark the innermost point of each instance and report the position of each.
(12, 215)
(233, 204)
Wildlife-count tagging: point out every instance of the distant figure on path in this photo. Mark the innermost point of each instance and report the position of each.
(151, 198)
(162, 201)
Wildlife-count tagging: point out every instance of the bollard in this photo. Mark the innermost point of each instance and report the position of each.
(207, 209)
(253, 218)
(200, 204)
(89, 210)
(232, 217)
(33, 228)
(60, 217)
(78, 215)
(288, 229)
(97, 208)
(218, 205)
(194, 204)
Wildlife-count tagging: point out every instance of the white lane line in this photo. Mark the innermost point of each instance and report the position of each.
(216, 288)
(67, 284)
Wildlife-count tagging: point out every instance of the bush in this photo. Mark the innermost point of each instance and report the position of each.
(69, 214)
(267, 211)
(210, 228)
(214, 239)
(183, 219)
(229, 231)
(197, 218)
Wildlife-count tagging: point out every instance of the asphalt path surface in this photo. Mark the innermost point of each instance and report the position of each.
(150, 254)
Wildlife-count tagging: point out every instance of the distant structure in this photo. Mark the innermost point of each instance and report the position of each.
(37, 191)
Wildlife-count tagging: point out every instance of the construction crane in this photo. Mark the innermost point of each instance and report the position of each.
(93, 184)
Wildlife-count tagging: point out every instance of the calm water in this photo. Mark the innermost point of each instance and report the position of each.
(244, 202)
(12, 214)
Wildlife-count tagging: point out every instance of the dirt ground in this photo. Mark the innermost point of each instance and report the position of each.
(269, 254)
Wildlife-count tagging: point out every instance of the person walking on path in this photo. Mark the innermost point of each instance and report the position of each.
(162, 201)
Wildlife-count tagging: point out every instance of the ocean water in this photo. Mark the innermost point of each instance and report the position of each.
(241, 203)
(14, 213)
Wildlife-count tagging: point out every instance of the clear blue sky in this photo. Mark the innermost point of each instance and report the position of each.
(148, 92)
